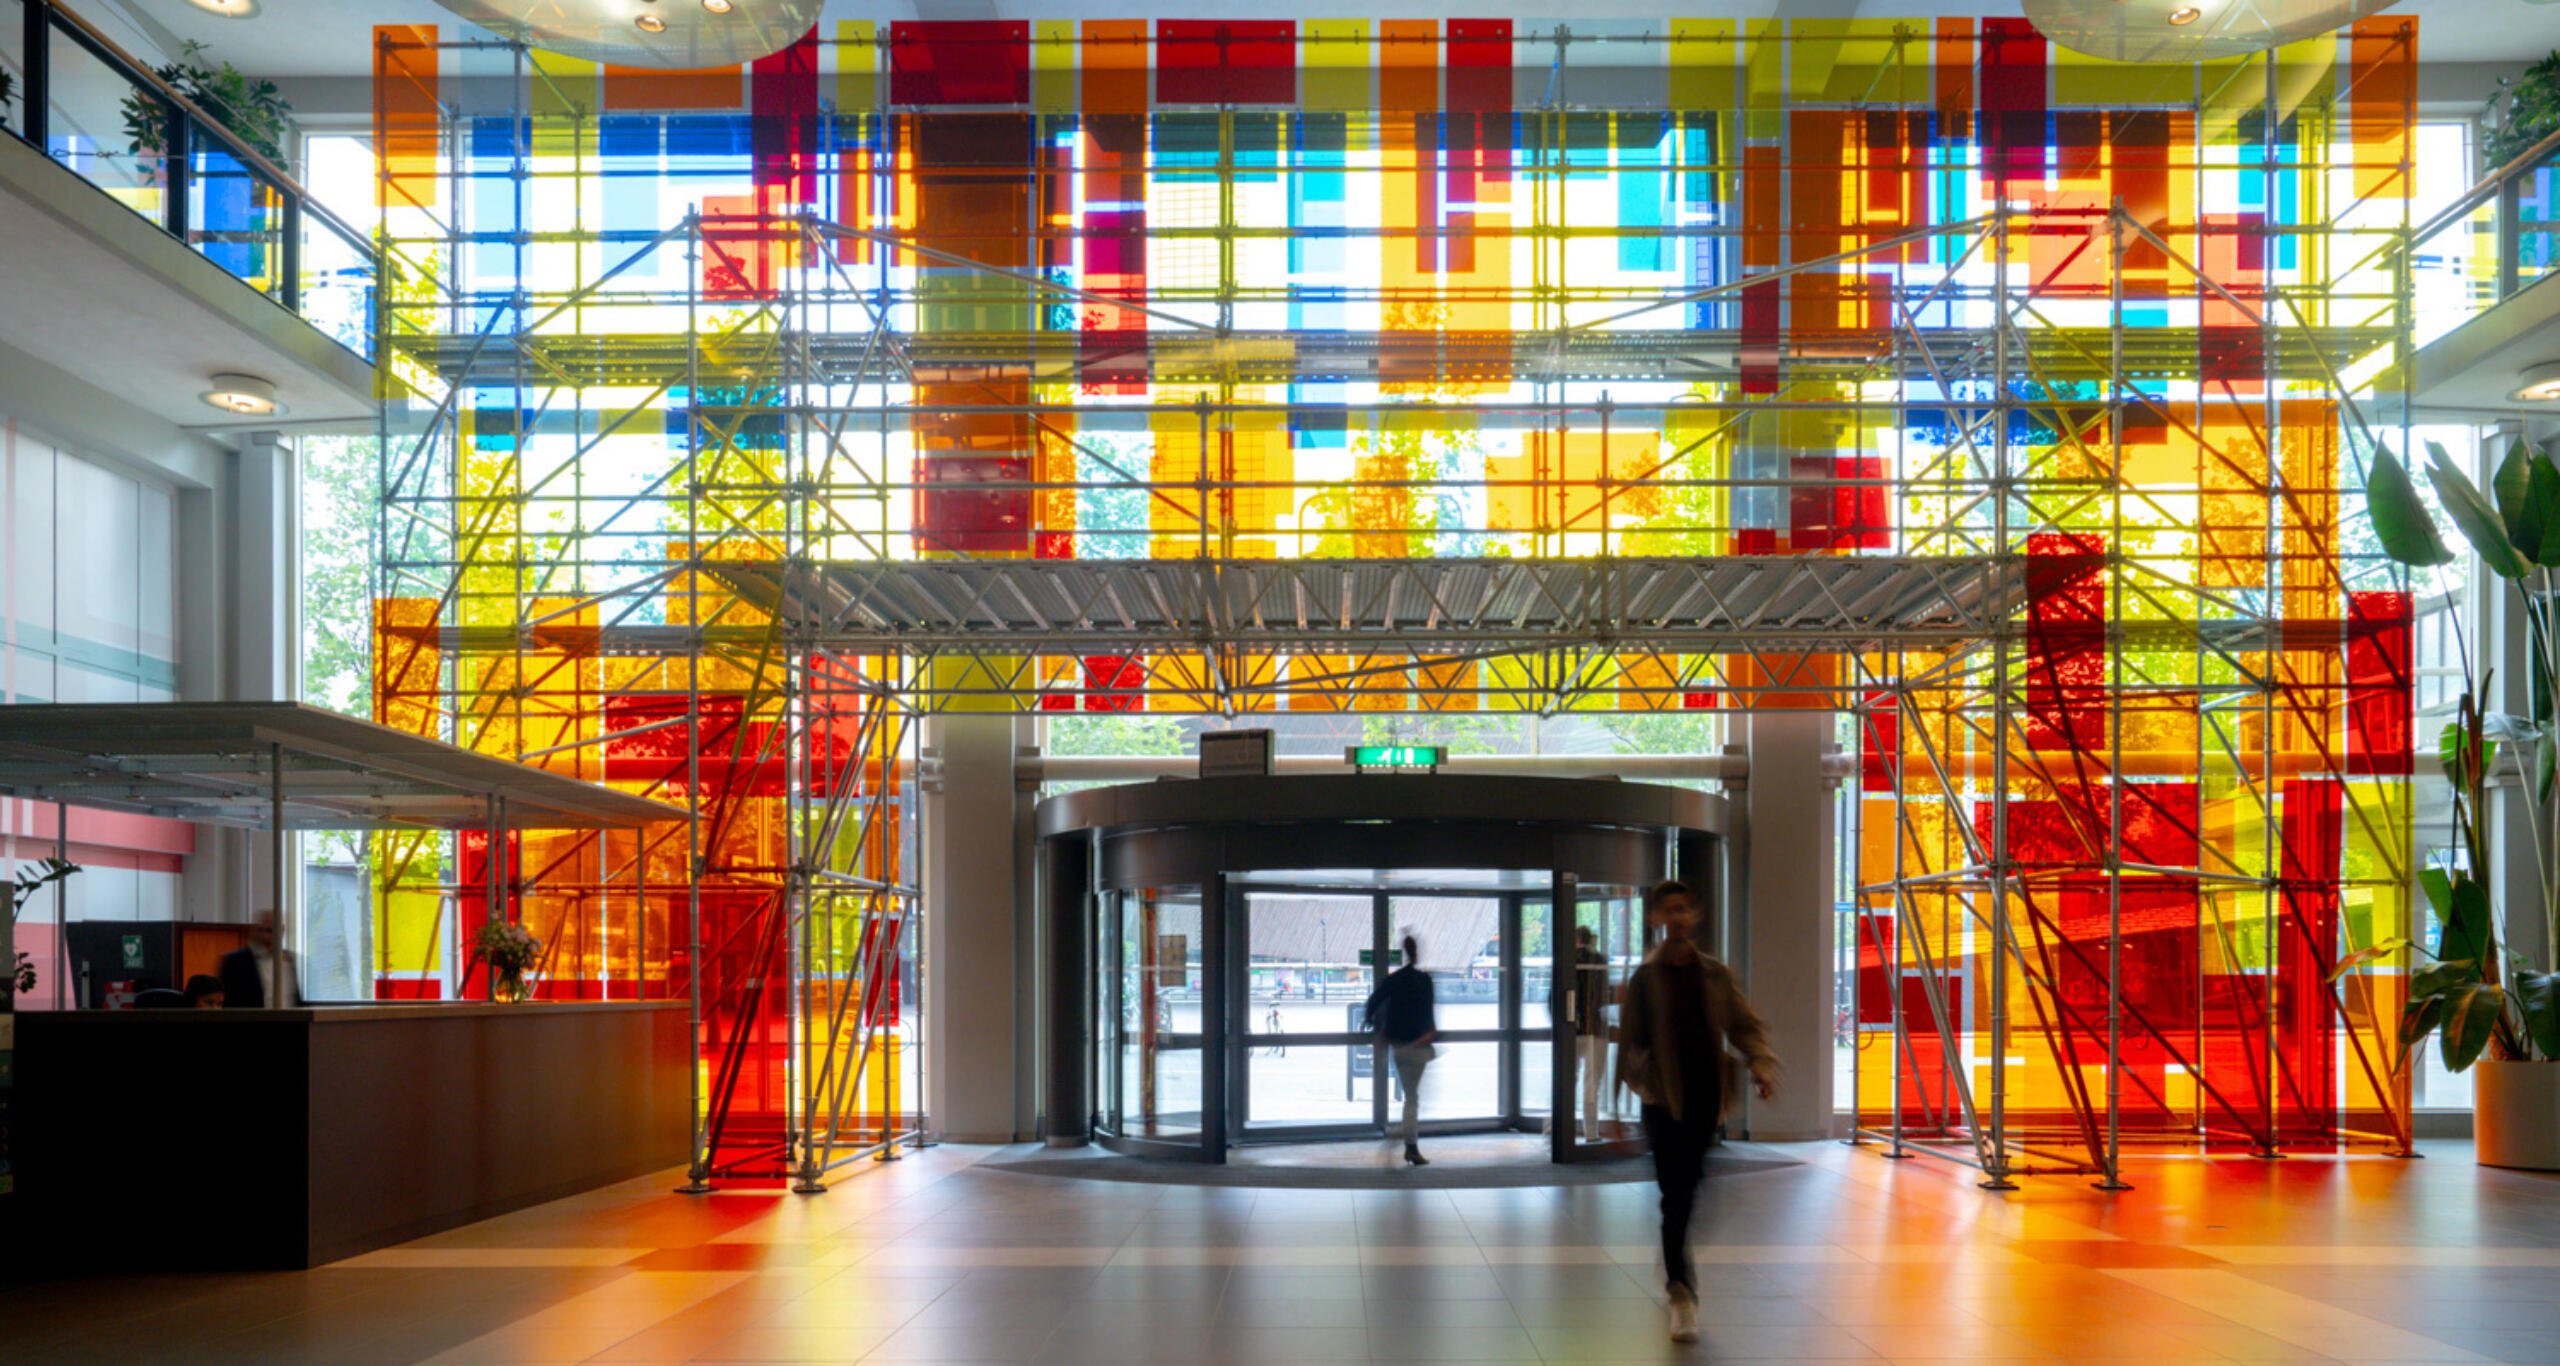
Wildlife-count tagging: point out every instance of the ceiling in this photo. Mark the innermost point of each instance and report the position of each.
(334, 37)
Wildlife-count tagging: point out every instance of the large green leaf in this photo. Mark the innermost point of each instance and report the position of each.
(2466, 929)
(2470, 1017)
(2367, 956)
(2480, 523)
(2418, 1017)
(2437, 880)
(2454, 751)
(2435, 979)
(2539, 992)
(2539, 536)
(2400, 517)
(2508, 488)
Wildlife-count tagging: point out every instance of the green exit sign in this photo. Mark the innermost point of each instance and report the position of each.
(1397, 757)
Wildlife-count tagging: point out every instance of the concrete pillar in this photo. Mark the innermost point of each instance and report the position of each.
(971, 995)
(1783, 941)
(265, 605)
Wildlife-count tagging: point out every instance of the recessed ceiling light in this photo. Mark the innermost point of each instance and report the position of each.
(650, 23)
(246, 395)
(718, 6)
(2538, 384)
(2185, 15)
(228, 9)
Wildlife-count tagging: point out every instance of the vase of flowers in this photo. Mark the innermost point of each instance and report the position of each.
(509, 949)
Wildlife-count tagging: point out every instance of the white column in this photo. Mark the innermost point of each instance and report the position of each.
(971, 994)
(264, 601)
(1784, 940)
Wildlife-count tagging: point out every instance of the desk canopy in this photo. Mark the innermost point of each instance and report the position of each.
(220, 762)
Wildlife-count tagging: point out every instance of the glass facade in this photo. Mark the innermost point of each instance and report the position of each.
(1073, 294)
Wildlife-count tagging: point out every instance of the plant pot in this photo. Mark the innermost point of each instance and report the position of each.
(2515, 1114)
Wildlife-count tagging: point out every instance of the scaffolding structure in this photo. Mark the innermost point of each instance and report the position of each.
(2006, 401)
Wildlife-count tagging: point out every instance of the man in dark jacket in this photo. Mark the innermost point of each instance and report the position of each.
(1683, 1014)
(1400, 1010)
(248, 971)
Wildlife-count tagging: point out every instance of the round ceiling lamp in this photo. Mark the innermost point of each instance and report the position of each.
(2537, 384)
(2190, 30)
(243, 396)
(663, 33)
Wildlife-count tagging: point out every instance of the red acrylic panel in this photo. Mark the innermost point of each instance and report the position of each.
(1478, 123)
(1222, 61)
(956, 514)
(2306, 1041)
(1115, 683)
(746, 975)
(2015, 102)
(960, 62)
(407, 989)
(1878, 967)
(1828, 510)
(732, 762)
(2381, 689)
(2066, 656)
(1880, 746)
(783, 124)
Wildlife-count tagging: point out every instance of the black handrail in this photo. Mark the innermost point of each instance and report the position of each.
(188, 128)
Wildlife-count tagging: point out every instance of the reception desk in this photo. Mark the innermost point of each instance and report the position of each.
(289, 1138)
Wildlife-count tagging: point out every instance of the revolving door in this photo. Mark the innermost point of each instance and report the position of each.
(1222, 958)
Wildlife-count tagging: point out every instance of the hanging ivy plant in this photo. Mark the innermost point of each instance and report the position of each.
(252, 109)
(2523, 112)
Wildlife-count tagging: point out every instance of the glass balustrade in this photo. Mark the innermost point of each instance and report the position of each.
(99, 114)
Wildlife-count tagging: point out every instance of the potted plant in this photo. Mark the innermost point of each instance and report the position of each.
(2523, 112)
(2485, 1003)
(253, 110)
(23, 889)
(509, 949)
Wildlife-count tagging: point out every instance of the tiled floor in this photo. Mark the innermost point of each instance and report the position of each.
(1842, 1257)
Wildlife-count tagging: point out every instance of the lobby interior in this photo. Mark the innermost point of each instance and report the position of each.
(792, 665)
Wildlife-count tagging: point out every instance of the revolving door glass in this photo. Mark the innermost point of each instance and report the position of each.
(1591, 967)
(1154, 947)
(1311, 962)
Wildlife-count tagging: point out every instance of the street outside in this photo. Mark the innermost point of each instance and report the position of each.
(1299, 1083)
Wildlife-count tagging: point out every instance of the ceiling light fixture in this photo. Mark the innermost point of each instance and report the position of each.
(2538, 384)
(666, 34)
(228, 9)
(246, 395)
(2184, 31)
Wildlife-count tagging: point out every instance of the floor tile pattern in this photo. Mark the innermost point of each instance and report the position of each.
(1840, 1256)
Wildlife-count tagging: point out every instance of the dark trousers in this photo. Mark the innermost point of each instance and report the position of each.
(1679, 1165)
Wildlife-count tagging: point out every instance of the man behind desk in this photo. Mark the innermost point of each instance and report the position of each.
(247, 970)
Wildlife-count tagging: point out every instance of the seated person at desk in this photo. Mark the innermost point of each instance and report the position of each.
(204, 992)
(247, 970)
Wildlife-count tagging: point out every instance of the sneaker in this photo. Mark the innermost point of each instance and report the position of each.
(1684, 1314)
